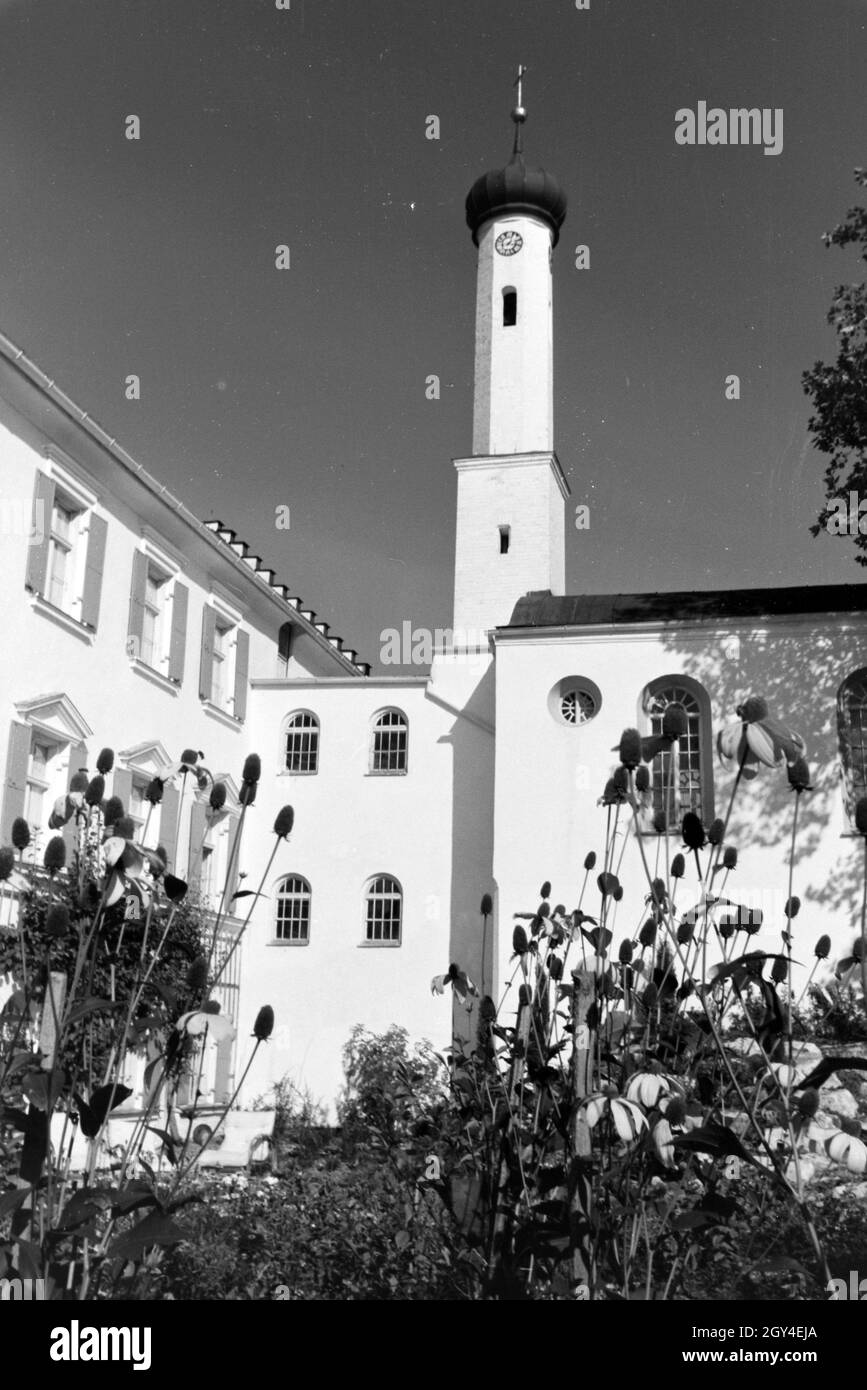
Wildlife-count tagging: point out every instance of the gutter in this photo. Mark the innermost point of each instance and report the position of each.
(215, 533)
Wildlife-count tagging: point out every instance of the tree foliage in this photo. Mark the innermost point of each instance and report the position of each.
(839, 391)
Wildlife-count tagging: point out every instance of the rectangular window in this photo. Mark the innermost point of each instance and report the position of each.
(61, 554)
(221, 680)
(137, 803)
(35, 809)
(151, 636)
(39, 777)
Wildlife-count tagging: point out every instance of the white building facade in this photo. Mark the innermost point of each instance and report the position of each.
(137, 627)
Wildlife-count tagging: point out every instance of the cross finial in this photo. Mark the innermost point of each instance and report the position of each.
(519, 114)
(519, 83)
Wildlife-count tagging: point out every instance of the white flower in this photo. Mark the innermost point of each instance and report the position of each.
(216, 1026)
(662, 1143)
(786, 1075)
(113, 849)
(627, 1118)
(646, 1087)
(846, 1148)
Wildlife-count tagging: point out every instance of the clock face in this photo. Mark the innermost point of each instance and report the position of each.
(508, 243)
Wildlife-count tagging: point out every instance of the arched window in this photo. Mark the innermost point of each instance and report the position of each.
(383, 911)
(852, 731)
(689, 783)
(388, 752)
(510, 307)
(292, 920)
(302, 743)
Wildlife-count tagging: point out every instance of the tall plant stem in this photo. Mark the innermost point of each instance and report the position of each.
(233, 856)
(182, 1172)
(734, 792)
(789, 950)
(236, 943)
(864, 930)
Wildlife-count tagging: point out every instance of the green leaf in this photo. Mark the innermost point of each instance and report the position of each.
(29, 1260)
(136, 1194)
(733, 967)
(81, 1206)
(779, 1264)
(714, 1139)
(169, 1142)
(690, 1220)
(155, 1229)
(92, 1006)
(35, 1148)
(12, 1200)
(94, 1113)
(18, 1063)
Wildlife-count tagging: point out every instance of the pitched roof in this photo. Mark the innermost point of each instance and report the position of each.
(543, 609)
(215, 533)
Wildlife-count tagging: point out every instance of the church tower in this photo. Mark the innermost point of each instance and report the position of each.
(511, 491)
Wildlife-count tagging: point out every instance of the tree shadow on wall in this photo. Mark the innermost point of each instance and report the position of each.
(799, 673)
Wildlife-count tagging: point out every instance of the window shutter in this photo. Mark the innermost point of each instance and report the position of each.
(15, 778)
(197, 831)
(93, 568)
(242, 663)
(178, 645)
(37, 552)
(122, 786)
(136, 600)
(169, 824)
(77, 761)
(206, 664)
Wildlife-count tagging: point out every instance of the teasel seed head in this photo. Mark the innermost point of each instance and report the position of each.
(264, 1025)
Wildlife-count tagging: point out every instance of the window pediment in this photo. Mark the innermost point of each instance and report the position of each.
(56, 714)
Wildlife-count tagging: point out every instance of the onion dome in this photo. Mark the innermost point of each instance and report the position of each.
(519, 187)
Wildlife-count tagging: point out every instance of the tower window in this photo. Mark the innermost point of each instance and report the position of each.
(505, 534)
(510, 308)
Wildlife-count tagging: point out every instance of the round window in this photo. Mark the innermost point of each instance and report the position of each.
(575, 700)
(576, 706)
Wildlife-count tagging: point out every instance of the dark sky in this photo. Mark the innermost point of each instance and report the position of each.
(306, 387)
